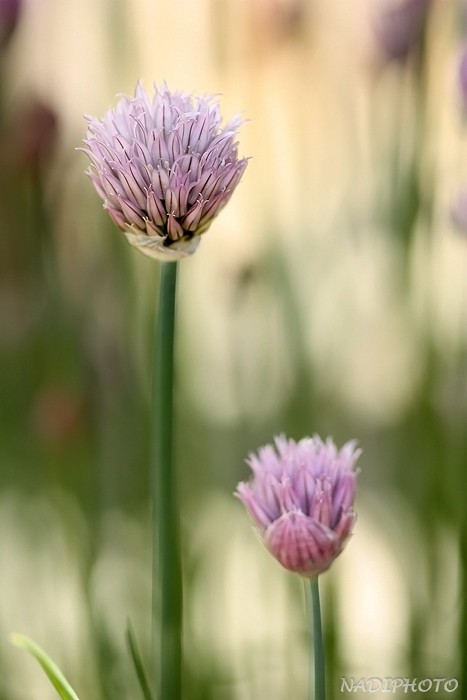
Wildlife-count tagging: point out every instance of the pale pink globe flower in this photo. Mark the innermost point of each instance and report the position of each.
(301, 499)
(164, 166)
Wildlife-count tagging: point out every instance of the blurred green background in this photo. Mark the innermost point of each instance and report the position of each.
(330, 296)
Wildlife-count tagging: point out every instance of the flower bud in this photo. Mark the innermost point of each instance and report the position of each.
(301, 500)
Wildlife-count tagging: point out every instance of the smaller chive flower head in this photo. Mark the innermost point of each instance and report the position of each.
(301, 500)
(164, 167)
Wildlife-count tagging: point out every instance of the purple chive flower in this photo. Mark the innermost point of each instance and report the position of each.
(164, 167)
(399, 26)
(301, 500)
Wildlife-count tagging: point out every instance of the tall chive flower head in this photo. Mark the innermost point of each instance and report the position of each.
(301, 500)
(164, 167)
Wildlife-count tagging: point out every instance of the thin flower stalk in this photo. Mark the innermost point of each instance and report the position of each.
(317, 645)
(167, 600)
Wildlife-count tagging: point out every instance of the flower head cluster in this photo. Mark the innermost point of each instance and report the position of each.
(164, 167)
(301, 500)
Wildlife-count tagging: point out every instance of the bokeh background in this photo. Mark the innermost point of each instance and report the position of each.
(328, 297)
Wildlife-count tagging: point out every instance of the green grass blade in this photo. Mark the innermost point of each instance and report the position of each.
(52, 671)
(139, 668)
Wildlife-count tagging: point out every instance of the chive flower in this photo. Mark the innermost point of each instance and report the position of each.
(164, 167)
(301, 500)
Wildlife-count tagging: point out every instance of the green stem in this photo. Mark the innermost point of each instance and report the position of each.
(318, 648)
(167, 574)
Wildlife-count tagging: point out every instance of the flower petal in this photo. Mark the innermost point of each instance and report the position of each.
(301, 544)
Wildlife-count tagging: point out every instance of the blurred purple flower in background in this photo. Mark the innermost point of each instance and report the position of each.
(301, 499)
(164, 167)
(398, 26)
(462, 9)
(9, 14)
(34, 136)
(462, 77)
(459, 211)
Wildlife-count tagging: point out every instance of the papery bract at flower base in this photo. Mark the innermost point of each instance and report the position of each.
(301, 500)
(164, 167)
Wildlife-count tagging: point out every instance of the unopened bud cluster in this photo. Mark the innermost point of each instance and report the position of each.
(301, 500)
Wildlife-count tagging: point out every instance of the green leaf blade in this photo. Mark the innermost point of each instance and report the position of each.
(51, 670)
(138, 664)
